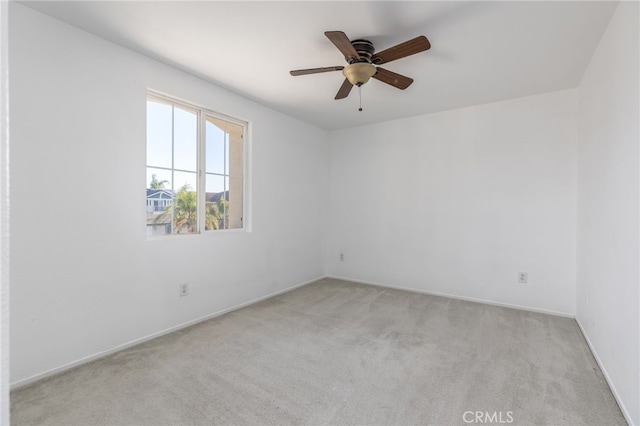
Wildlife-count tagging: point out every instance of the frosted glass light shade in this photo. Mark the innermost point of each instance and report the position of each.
(359, 73)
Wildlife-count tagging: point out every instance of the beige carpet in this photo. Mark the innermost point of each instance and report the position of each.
(335, 352)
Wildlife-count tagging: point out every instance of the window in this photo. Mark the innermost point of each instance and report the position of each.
(195, 169)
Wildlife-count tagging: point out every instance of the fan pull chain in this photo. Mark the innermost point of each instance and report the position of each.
(360, 95)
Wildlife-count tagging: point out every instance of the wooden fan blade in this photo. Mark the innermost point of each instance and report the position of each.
(345, 89)
(390, 77)
(342, 42)
(316, 70)
(408, 48)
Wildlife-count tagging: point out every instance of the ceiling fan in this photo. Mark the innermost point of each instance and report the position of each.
(362, 61)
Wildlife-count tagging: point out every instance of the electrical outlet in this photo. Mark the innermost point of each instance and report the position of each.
(341, 257)
(184, 289)
(523, 277)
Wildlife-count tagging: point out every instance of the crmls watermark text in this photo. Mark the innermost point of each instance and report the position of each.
(485, 417)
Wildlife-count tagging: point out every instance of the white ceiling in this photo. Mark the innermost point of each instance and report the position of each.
(481, 51)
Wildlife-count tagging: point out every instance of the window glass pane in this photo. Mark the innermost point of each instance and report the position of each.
(226, 154)
(215, 145)
(158, 178)
(160, 226)
(234, 150)
(234, 215)
(215, 184)
(216, 203)
(159, 201)
(185, 218)
(159, 128)
(185, 139)
(184, 178)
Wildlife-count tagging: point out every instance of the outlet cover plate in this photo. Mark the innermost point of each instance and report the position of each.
(184, 289)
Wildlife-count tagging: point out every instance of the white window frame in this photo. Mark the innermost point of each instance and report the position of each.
(202, 113)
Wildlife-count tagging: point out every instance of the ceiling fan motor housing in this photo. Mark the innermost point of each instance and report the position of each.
(364, 48)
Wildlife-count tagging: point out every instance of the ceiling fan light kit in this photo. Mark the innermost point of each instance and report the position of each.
(362, 62)
(359, 73)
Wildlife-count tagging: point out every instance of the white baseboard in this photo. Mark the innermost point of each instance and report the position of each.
(624, 410)
(102, 354)
(454, 296)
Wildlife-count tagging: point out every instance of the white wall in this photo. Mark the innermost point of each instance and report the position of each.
(459, 202)
(84, 277)
(608, 295)
(4, 215)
